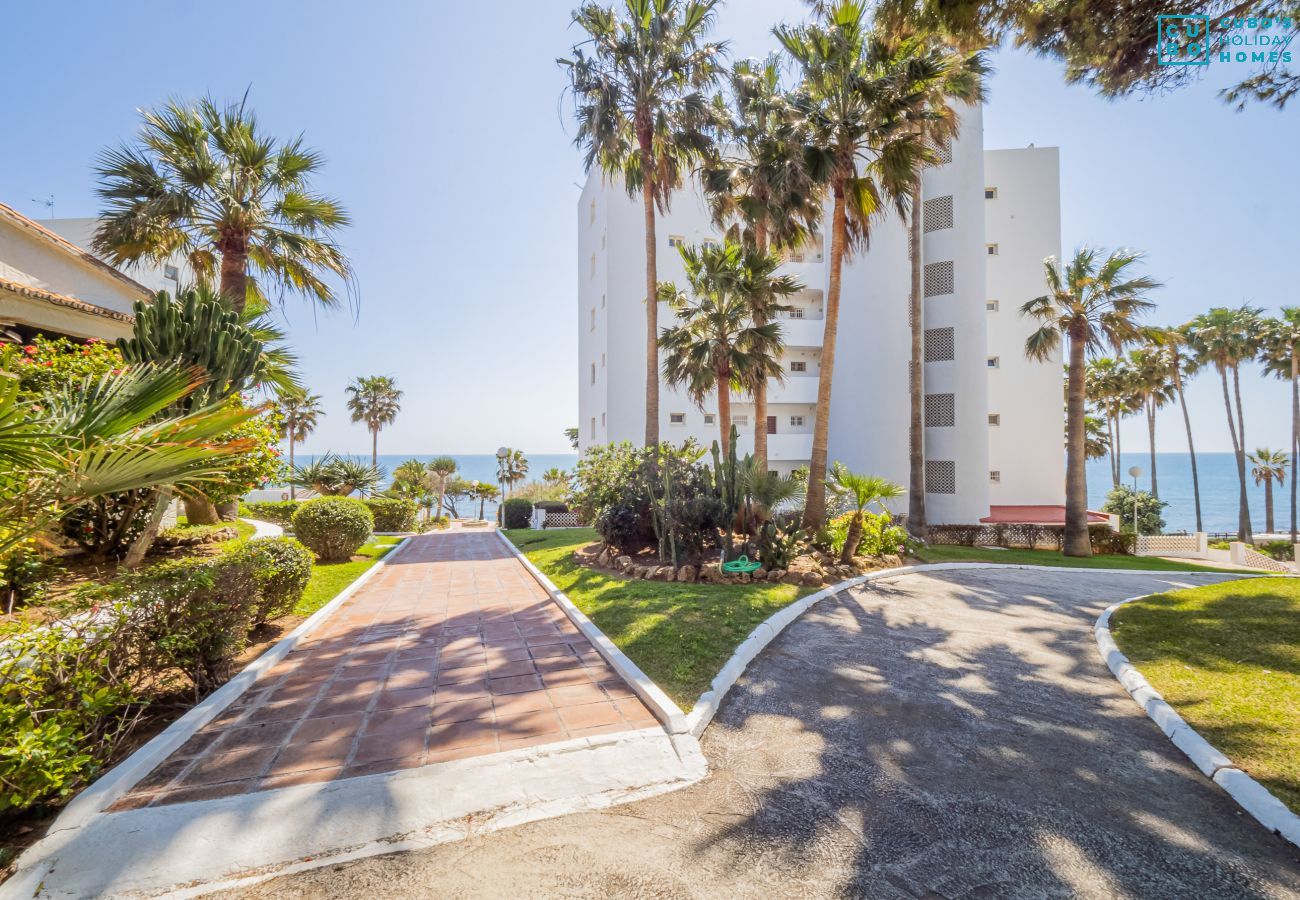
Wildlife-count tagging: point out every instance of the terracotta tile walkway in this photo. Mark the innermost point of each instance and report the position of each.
(452, 650)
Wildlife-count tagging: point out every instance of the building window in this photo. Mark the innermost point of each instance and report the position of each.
(795, 313)
(940, 476)
(740, 421)
(940, 344)
(991, 305)
(591, 216)
(798, 366)
(593, 265)
(676, 240)
(709, 244)
(593, 318)
(937, 214)
(771, 424)
(710, 419)
(677, 418)
(593, 373)
(995, 476)
(602, 241)
(602, 301)
(602, 360)
(796, 421)
(939, 278)
(991, 193)
(602, 420)
(171, 272)
(993, 249)
(593, 428)
(940, 410)
(994, 362)
(995, 419)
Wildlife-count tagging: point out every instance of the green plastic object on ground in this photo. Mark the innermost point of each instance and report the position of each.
(741, 564)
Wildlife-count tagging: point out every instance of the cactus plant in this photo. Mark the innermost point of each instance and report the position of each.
(727, 486)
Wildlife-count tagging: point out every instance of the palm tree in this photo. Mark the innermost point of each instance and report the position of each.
(301, 413)
(763, 189)
(638, 83)
(482, 492)
(440, 469)
(337, 476)
(1226, 338)
(376, 401)
(1270, 466)
(1096, 438)
(512, 469)
(862, 100)
(205, 182)
(554, 476)
(717, 346)
(572, 436)
(1173, 342)
(1153, 388)
(1091, 303)
(860, 491)
(1106, 382)
(1282, 358)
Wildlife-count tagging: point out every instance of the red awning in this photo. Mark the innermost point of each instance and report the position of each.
(1050, 514)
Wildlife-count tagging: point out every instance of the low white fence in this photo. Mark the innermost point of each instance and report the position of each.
(1245, 555)
(1182, 546)
(543, 518)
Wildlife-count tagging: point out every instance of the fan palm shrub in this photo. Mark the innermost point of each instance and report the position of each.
(204, 181)
(1092, 304)
(638, 81)
(860, 492)
(374, 400)
(337, 476)
(300, 414)
(1153, 388)
(1281, 355)
(442, 468)
(1267, 467)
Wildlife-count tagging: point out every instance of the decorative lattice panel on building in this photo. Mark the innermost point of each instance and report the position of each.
(938, 278)
(938, 214)
(940, 344)
(940, 410)
(944, 152)
(940, 476)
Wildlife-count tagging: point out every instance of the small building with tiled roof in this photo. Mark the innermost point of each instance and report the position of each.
(48, 285)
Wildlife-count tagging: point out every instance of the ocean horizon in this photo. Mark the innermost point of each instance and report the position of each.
(1218, 477)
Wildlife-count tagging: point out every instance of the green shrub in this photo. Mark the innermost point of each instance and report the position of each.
(108, 525)
(1279, 550)
(1220, 545)
(392, 514)
(333, 527)
(518, 512)
(556, 506)
(278, 511)
(1104, 540)
(1150, 510)
(282, 566)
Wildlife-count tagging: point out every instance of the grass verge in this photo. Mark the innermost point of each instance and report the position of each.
(329, 579)
(1227, 657)
(936, 554)
(679, 634)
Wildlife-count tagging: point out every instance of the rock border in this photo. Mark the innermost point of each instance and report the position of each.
(820, 574)
(1250, 795)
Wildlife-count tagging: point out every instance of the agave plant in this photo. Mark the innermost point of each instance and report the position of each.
(337, 476)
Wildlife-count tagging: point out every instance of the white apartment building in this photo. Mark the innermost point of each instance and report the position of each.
(994, 418)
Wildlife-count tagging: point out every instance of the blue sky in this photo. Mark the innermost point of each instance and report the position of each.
(446, 140)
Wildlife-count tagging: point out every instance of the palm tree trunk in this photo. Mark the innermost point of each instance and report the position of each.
(1295, 434)
(916, 524)
(852, 539)
(200, 511)
(1151, 432)
(760, 386)
(1191, 447)
(1268, 505)
(814, 513)
(374, 447)
(1241, 457)
(1077, 541)
(1112, 427)
(723, 378)
(1243, 523)
(1119, 451)
(234, 273)
(651, 300)
(140, 546)
(293, 494)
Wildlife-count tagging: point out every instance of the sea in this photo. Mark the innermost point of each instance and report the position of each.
(1218, 476)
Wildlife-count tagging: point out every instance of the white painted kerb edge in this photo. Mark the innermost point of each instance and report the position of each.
(1250, 795)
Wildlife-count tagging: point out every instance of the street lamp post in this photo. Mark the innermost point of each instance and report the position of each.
(1136, 472)
(473, 488)
(502, 454)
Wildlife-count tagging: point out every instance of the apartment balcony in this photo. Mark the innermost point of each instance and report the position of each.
(802, 332)
(789, 447)
(797, 389)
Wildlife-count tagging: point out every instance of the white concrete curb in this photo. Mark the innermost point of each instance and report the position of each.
(665, 710)
(91, 802)
(1250, 795)
(706, 707)
(264, 529)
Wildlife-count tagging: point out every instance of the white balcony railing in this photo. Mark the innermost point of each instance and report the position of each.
(789, 447)
(797, 389)
(802, 332)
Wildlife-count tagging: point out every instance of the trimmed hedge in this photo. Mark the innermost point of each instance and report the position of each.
(392, 514)
(333, 527)
(282, 566)
(555, 506)
(518, 512)
(278, 511)
(1042, 537)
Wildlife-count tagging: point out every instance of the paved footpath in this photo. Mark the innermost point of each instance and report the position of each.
(948, 734)
(453, 650)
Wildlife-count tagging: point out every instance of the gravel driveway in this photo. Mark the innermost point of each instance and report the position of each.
(946, 735)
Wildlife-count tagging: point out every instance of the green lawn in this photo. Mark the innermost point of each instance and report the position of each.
(328, 579)
(679, 634)
(935, 554)
(1227, 657)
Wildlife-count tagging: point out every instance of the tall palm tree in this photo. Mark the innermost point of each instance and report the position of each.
(440, 469)
(301, 414)
(1092, 303)
(1226, 338)
(763, 190)
(512, 469)
(860, 491)
(204, 181)
(555, 475)
(1096, 438)
(1106, 382)
(1269, 466)
(639, 82)
(1153, 388)
(716, 345)
(374, 400)
(1282, 358)
(483, 492)
(1182, 365)
(862, 99)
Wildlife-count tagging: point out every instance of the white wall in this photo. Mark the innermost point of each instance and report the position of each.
(82, 232)
(29, 259)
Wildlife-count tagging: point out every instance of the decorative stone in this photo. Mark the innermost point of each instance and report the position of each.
(602, 558)
(776, 575)
(686, 573)
(711, 573)
(760, 574)
(792, 578)
(622, 563)
(811, 579)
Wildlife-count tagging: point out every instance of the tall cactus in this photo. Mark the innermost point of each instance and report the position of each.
(195, 329)
(726, 483)
(663, 508)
